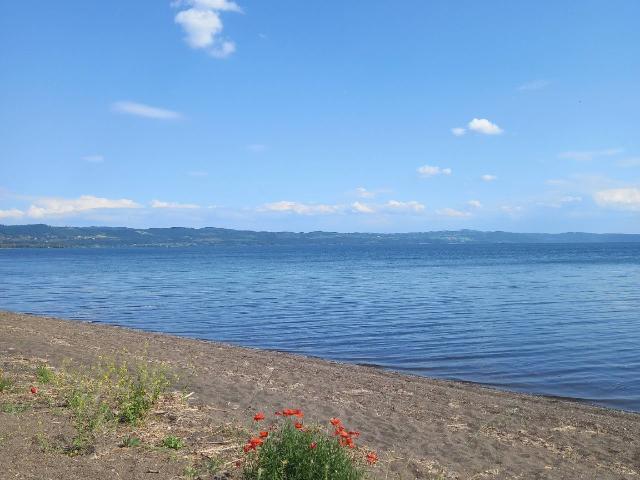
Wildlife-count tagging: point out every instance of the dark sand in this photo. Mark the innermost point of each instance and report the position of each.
(422, 428)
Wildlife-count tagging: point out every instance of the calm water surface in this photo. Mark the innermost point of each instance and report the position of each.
(552, 319)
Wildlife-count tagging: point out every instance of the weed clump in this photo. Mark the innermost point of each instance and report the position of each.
(5, 382)
(45, 374)
(173, 442)
(108, 394)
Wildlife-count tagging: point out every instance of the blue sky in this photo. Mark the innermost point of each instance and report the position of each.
(351, 116)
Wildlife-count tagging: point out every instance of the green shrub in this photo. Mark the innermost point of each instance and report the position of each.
(294, 454)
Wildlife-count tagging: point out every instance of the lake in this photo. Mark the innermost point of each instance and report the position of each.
(559, 319)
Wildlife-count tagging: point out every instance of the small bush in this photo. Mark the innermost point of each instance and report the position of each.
(293, 451)
(45, 374)
(173, 442)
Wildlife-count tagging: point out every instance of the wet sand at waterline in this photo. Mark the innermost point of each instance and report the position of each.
(420, 427)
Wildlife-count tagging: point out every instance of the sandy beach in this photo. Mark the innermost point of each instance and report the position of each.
(422, 428)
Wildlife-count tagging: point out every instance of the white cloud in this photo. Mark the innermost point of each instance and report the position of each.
(44, 207)
(93, 158)
(410, 206)
(534, 85)
(452, 212)
(458, 131)
(487, 177)
(622, 198)
(203, 26)
(583, 156)
(301, 208)
(13, 213)
(172, 205)
(570, 199)
(360, 207)
(484, 126)
(474, 203)
(146, 111)
(431, 171)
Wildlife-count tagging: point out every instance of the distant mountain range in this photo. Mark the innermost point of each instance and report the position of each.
(45, 236)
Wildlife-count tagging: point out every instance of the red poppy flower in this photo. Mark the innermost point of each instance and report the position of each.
(335, 422)
(349, 442)
(255, 442)
(354, 434)
(264, 434)
(248, 447)
(298, 425)
(258, 416)
(372, 458)
(34, 390)
(313, 445)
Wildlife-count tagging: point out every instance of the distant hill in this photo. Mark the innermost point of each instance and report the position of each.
(45, 236)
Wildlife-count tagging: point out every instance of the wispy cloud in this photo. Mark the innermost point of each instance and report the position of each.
(487, 177)
(172, 205)
(629, 162)
(484, 126)
(93, 158)
(620, 198)
(452, 212)
(145, 111)
(474, 203)
(12, 213)
(458, 131)
(534, 85)
(582, 156)
(412, 206)
(301, 208)
(431, 171)
(202, 24)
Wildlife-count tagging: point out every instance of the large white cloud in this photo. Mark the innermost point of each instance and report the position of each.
(47, 207)
(622, 198)
(484, 126)
(432, 171)
(203, 25)
(146, 111)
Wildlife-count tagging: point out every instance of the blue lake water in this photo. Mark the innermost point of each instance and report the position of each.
(550, 319)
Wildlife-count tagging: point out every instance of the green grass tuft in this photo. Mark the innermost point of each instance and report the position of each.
(173, 442)
(5, 382)
(45, 374)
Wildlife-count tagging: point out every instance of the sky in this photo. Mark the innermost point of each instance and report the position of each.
(370, 116)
